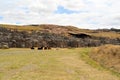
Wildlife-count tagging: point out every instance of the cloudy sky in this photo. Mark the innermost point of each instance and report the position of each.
(90, 14)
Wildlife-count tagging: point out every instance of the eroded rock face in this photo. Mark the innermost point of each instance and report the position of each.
(24, 39)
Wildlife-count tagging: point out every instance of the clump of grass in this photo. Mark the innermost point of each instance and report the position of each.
(108, 56)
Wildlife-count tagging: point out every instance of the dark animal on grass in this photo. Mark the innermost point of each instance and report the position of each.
(45, 48)
(40, 48)
(32, 48)
(49, 47)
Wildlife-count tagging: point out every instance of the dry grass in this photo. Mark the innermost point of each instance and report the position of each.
(21, 28)
(62, 64)
(107, 34)
(62, 30)
(108, 56)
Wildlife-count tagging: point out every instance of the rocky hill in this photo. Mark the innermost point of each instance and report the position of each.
(49, 35)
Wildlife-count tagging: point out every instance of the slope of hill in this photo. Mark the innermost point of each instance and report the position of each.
(57, 29)
(108, 56)
(46, 28)
(55, 36)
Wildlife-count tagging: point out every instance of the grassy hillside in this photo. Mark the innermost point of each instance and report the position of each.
(20, 28)
(108, 56)
(60, 64)
(65, 30)
(110, 34)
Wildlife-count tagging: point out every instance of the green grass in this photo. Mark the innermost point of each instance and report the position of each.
(61, 64)
(85, 56)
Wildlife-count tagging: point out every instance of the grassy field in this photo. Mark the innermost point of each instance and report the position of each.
(55, 64)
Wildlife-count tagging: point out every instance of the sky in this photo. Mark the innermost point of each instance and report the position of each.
(88, 14)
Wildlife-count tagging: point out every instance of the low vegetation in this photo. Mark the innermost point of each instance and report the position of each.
(108, 56)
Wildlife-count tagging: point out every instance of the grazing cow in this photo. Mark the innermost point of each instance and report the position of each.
(45, 48)
(32, 48)
(40, 48)
(49, 47)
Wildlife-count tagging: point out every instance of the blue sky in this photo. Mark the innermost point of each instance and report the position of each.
(62, 10)
(92, 14)
(1, 17)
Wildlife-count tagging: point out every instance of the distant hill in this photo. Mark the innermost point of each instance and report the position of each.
(57, 29)
(55, 36)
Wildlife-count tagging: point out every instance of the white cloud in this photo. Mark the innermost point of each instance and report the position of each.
(92, 13)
